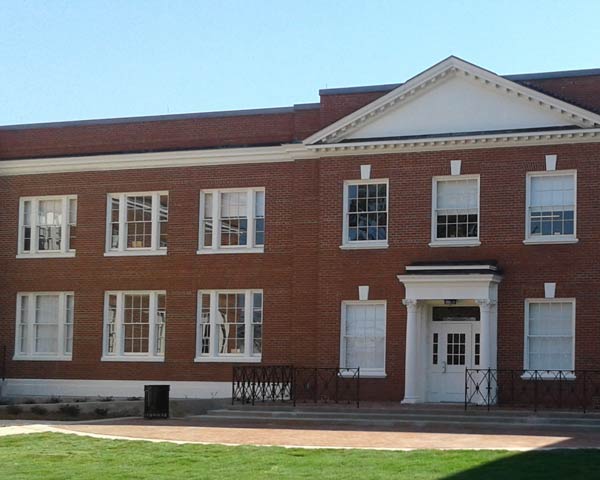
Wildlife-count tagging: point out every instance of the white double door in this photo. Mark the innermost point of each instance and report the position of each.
(453, 347)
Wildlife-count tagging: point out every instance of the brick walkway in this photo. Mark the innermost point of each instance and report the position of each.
(197, 430)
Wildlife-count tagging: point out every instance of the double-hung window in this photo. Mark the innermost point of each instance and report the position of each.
(455, 216)
(229, 327)
(365, 214)
(232, 221)
(44, 329)
(363, 337)
(47, 226)
(137, 223)
(135, 326)
(550, 334)
(551, 207)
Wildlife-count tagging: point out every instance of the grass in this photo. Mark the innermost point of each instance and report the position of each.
(52, 456)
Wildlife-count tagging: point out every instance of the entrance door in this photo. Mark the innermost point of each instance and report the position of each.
(454, 346)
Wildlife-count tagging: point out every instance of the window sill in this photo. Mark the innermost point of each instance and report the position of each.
(364, 246)
(136, 253)
(47, 255)
(122, 358)
(217, 251)
(40, 358)
(548, 376)
(551, 240)
(455, 243)
(228, 359)
(363, 374)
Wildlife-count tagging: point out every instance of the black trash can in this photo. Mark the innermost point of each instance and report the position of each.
(156, 401)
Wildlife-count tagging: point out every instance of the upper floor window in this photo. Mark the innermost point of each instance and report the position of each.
(363, 337)
(135, 326)
(44, 328)
(229, 326)
(232, 220)
(47, 226)
(455, 211)
(365, 214)
(137, 223)
(550, 334)
(551, 207)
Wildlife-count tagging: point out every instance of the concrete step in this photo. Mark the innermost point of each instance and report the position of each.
(404, 417)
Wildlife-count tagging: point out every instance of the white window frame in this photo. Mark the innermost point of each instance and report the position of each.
(364, 372)
(528, 302)
(65, 250)
(122, 249)
(347, 244)
(62, 321)
(119, 355)
(454, 242)
(544, 239)
(216, 247)
(213, 356)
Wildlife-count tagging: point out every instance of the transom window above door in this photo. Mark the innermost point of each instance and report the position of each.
(455, 212)
(47, 226)
(232, 221)
(137, 223)
(365, 214)
(551, 207)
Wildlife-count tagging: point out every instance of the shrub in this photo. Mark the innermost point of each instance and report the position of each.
(39, 410)
(29, 401)
(81, 400)
(101, 412)
(69, 410)
(54, 399)
(133, 399)
(14, 410)
(106, 399)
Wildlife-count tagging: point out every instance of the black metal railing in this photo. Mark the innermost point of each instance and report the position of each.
(533, 389)
(286, 383)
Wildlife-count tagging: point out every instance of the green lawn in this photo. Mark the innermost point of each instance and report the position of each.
(55, 456)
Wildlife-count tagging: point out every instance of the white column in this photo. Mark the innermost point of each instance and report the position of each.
(485, 307)
(410, 372)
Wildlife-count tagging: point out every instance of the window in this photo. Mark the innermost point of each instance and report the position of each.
(137, 223)
(135, 326)
(549, 334)
(230, 326)
(44, 326)
(363, 337)
(232, 221)
(551, 207)
(47, 226)
(455, 211)
(365, 214)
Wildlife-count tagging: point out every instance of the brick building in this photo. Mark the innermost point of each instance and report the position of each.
(412, 230)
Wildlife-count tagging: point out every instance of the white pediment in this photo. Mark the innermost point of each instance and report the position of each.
(459, 105)
(452, 98)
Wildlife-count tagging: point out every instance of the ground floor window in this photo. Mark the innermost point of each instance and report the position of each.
(550, 334)
(363, 337)
(229, 325)
(44, 329)
(135, 326)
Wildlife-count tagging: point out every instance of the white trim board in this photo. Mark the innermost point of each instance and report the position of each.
(113, 388)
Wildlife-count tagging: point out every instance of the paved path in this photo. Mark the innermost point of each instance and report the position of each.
(197, 430)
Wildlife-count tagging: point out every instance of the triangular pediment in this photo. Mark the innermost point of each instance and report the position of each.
(455, 97)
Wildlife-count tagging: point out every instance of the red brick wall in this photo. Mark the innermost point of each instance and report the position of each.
(581, 91)
(304, 274)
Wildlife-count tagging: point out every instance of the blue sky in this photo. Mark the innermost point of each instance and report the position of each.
(81, 59)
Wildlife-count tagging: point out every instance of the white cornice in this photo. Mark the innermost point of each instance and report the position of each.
(288, 153)
(127, 161)
(440, 72)
(466, 142)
